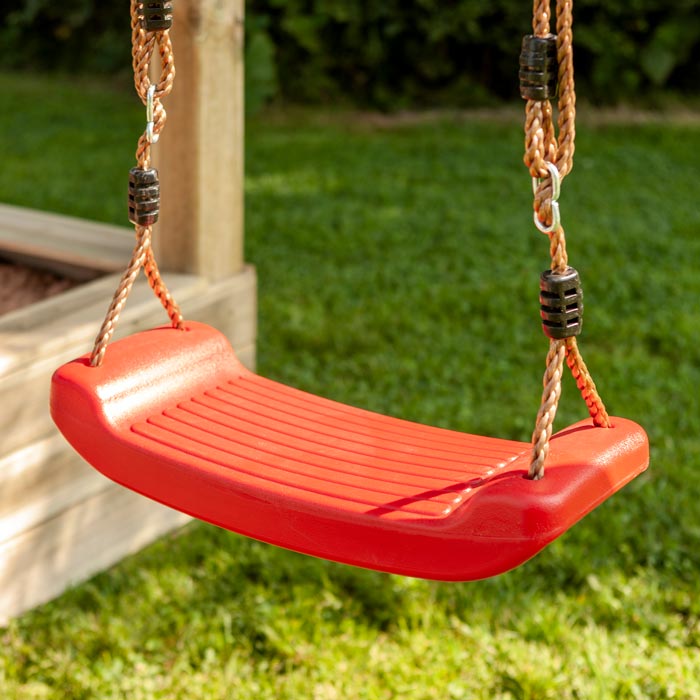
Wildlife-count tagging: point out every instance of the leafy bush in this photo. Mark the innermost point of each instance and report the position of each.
(390, 54)
(73, 35)
(634, 46)
(426, 51)
(84, 36)
(261, 83)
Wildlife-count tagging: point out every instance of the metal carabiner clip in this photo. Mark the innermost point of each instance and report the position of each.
(151, 137)
(556, 192)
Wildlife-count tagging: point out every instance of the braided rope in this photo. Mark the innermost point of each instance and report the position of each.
(543, 146)
(567, 92)
(548, 408)
(150, 268)
(541, 17)
(586, 385)
(143, 47)
(143, 243)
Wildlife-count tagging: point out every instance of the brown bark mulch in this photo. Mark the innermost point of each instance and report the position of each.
(21, 285)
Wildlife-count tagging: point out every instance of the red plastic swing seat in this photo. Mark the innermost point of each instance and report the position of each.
(176, 417)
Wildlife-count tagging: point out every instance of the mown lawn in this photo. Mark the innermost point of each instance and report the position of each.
(398, 271)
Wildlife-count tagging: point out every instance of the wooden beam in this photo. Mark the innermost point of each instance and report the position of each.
(41, 562)
(74, 247)
(60, 521)
(39, 482)
(200, 153)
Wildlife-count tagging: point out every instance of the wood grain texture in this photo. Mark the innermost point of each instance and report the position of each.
(60, 521)
(78, 542)
(200, 152)
(37, 339)
(40, 481)
(77, 248)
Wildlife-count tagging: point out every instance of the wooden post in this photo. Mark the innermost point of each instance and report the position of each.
(200, 153)
(59, 521)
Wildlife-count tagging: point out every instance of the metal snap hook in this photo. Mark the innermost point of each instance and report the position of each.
(556, 192)
(151, 137)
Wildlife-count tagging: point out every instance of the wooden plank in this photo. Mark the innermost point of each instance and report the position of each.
(200, 153)
(78, 542)
(74, 247)
(39, 481)
(64, 327)
(73, 317)
(61, 521)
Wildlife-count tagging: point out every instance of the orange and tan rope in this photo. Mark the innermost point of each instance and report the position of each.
(144, 44)
(543, 146)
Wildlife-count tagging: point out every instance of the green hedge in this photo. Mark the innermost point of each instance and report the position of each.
(387, 54)
(426, 51)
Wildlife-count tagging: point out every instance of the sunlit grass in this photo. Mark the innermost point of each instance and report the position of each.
(398, 271)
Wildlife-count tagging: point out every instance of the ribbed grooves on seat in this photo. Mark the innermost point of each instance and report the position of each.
(332, 413)
(254, 435)
(300, 443)
(296, 477)
(293, 425)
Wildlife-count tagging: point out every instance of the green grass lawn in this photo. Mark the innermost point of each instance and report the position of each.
(398, 270)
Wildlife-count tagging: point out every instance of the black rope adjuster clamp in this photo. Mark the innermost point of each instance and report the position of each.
(561, 303)
(539, 67)
(156, 15)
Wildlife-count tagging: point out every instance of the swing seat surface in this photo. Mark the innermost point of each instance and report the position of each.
(175, 416)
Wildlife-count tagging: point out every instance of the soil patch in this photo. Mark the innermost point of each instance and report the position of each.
(21, 285)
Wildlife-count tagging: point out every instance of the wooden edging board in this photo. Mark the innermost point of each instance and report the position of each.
(76, 248)
(61, 521)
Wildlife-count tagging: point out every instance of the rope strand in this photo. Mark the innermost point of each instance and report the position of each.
(548, 408)
(150, 267)
(543, 146)
(586, 385)
(143, 242)
(143, 47)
